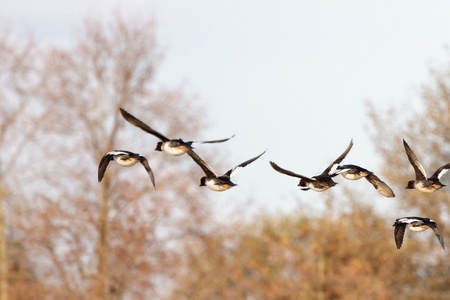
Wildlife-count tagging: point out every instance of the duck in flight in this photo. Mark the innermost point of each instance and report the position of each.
(352, 172)
(415, 224)
(320, 182)
(125, 159)
(422, 183)
(174, 147)
(214, 182)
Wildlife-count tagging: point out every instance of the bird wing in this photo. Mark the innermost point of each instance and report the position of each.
(205, 167)
(441, 171)
(420, 171)
(104, 164)
(439, 236)
(381, 186)
(136, 122)
(399, 232)
(289, 173)
(341, 169)
(211, 142)
(144, 162)
(235, 169)
(335, 164)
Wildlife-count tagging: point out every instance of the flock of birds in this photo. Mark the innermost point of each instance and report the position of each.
(317, 183)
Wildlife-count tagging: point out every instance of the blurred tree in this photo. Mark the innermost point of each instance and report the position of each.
(347, 256)
(17, 113)
(115, 239)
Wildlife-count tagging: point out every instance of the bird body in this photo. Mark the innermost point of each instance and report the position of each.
(353, 172)
(415, 224)
(175, 147)
(317, 183)
(218, 184)
(320, 182)
(422, 183)
(214, 182)
(124, 159)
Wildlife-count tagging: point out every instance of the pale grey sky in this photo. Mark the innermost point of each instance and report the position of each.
(287, 76)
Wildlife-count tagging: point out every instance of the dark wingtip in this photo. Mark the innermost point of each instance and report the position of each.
(123, 111)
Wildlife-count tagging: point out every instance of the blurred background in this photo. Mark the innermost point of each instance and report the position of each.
(296, 78)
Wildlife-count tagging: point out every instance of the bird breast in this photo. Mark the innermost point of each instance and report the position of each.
(126, 162)
(416, 227)
(216, 185)
(352, 176)
(424, 186)
(172, 148)
(318, 187)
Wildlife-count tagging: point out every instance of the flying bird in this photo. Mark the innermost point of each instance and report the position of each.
(422, 183)
(174, 147)
(214, 182)
(353, 172)
(415, 224)
(125, 159)
(320, 182)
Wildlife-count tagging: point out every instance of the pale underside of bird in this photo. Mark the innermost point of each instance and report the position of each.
(320, 182)
(422, 182)
(124, 159)
(174, 147)
(212, 180)
(415, 224)
(353, 172)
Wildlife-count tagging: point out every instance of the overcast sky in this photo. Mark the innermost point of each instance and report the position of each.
(287, 76)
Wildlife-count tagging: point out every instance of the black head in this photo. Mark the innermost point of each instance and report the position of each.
(203, 181)
(159, 146)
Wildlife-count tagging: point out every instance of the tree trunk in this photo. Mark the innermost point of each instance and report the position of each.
(103, 228)
(3, 252)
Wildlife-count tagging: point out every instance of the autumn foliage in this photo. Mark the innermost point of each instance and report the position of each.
(63, 235)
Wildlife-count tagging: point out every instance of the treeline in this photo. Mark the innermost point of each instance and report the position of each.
(65, 236)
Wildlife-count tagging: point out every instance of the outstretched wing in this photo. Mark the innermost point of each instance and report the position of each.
(209, 172)
(335, 164)
(287, 172)
(381, 187)
(235, 169)
(441, 171)
(211, 142)
(144, 162)
(420, 171)
(136, 122)
(439, 236)
(103, 165)
(399, 232)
